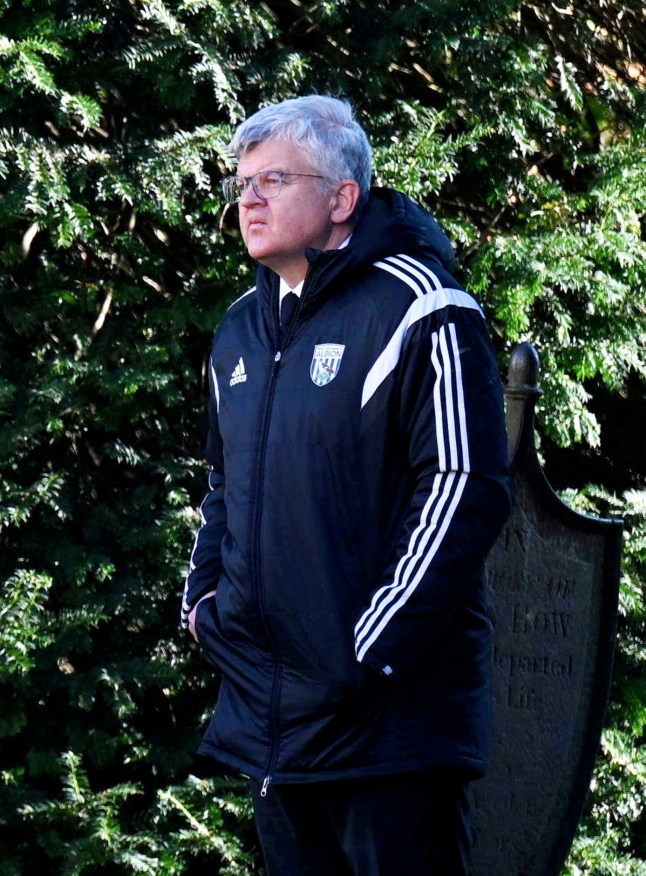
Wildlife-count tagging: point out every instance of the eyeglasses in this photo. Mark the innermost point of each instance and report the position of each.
(267, 184)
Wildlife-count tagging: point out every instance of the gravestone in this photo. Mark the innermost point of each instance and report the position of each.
(553, 579)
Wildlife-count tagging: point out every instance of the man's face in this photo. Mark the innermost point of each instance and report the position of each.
(278, 231)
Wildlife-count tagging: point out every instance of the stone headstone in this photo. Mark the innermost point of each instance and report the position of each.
(553, 579)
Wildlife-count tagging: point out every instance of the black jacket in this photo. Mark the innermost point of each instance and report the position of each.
(357, 483)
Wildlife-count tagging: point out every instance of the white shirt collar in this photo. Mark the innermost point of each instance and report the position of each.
(284, 288)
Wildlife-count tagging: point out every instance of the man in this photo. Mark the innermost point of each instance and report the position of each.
(357, 481)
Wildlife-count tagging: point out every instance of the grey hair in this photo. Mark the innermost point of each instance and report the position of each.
(324, 127)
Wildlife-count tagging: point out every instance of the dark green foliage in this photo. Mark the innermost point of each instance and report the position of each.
(107, 303)
(521, 126)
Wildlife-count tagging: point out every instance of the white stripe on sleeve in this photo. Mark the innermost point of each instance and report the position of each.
(420, 266)
(216, 388)
(421, 307)
(186, 608)
(446, 492)
(244, 295)
(391, 265)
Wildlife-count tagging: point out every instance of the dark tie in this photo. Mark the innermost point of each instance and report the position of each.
(287, 309)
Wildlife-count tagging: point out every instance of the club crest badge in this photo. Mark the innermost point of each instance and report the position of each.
(325, 363)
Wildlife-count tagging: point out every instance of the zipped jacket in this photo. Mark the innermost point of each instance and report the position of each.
(357, 482)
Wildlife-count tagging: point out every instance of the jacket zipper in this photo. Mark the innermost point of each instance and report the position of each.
(274, 701)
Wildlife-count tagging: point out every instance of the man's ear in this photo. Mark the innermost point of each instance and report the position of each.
(345, 201)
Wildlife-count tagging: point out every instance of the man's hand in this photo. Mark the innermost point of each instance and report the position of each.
(191, 617)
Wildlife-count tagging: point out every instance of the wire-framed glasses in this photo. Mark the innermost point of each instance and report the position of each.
(267, 184)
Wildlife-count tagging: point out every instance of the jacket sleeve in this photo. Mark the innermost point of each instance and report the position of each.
(451, 417)
(205, 565)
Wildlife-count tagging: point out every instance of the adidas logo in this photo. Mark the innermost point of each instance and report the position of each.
(239, 374)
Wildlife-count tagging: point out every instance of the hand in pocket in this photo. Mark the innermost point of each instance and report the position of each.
(193, 614)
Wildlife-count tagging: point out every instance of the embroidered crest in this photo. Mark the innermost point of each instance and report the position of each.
(325, 363)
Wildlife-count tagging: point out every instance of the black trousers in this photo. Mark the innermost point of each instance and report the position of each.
(415, 824)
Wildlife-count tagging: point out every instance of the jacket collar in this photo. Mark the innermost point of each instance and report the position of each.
(390, 223)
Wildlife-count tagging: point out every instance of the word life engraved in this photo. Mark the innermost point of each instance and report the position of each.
(544, 612)
(553, 589)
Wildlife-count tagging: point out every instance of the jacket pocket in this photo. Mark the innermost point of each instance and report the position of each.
(207, 628)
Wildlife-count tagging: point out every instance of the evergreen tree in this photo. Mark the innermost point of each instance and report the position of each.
(520, 125)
